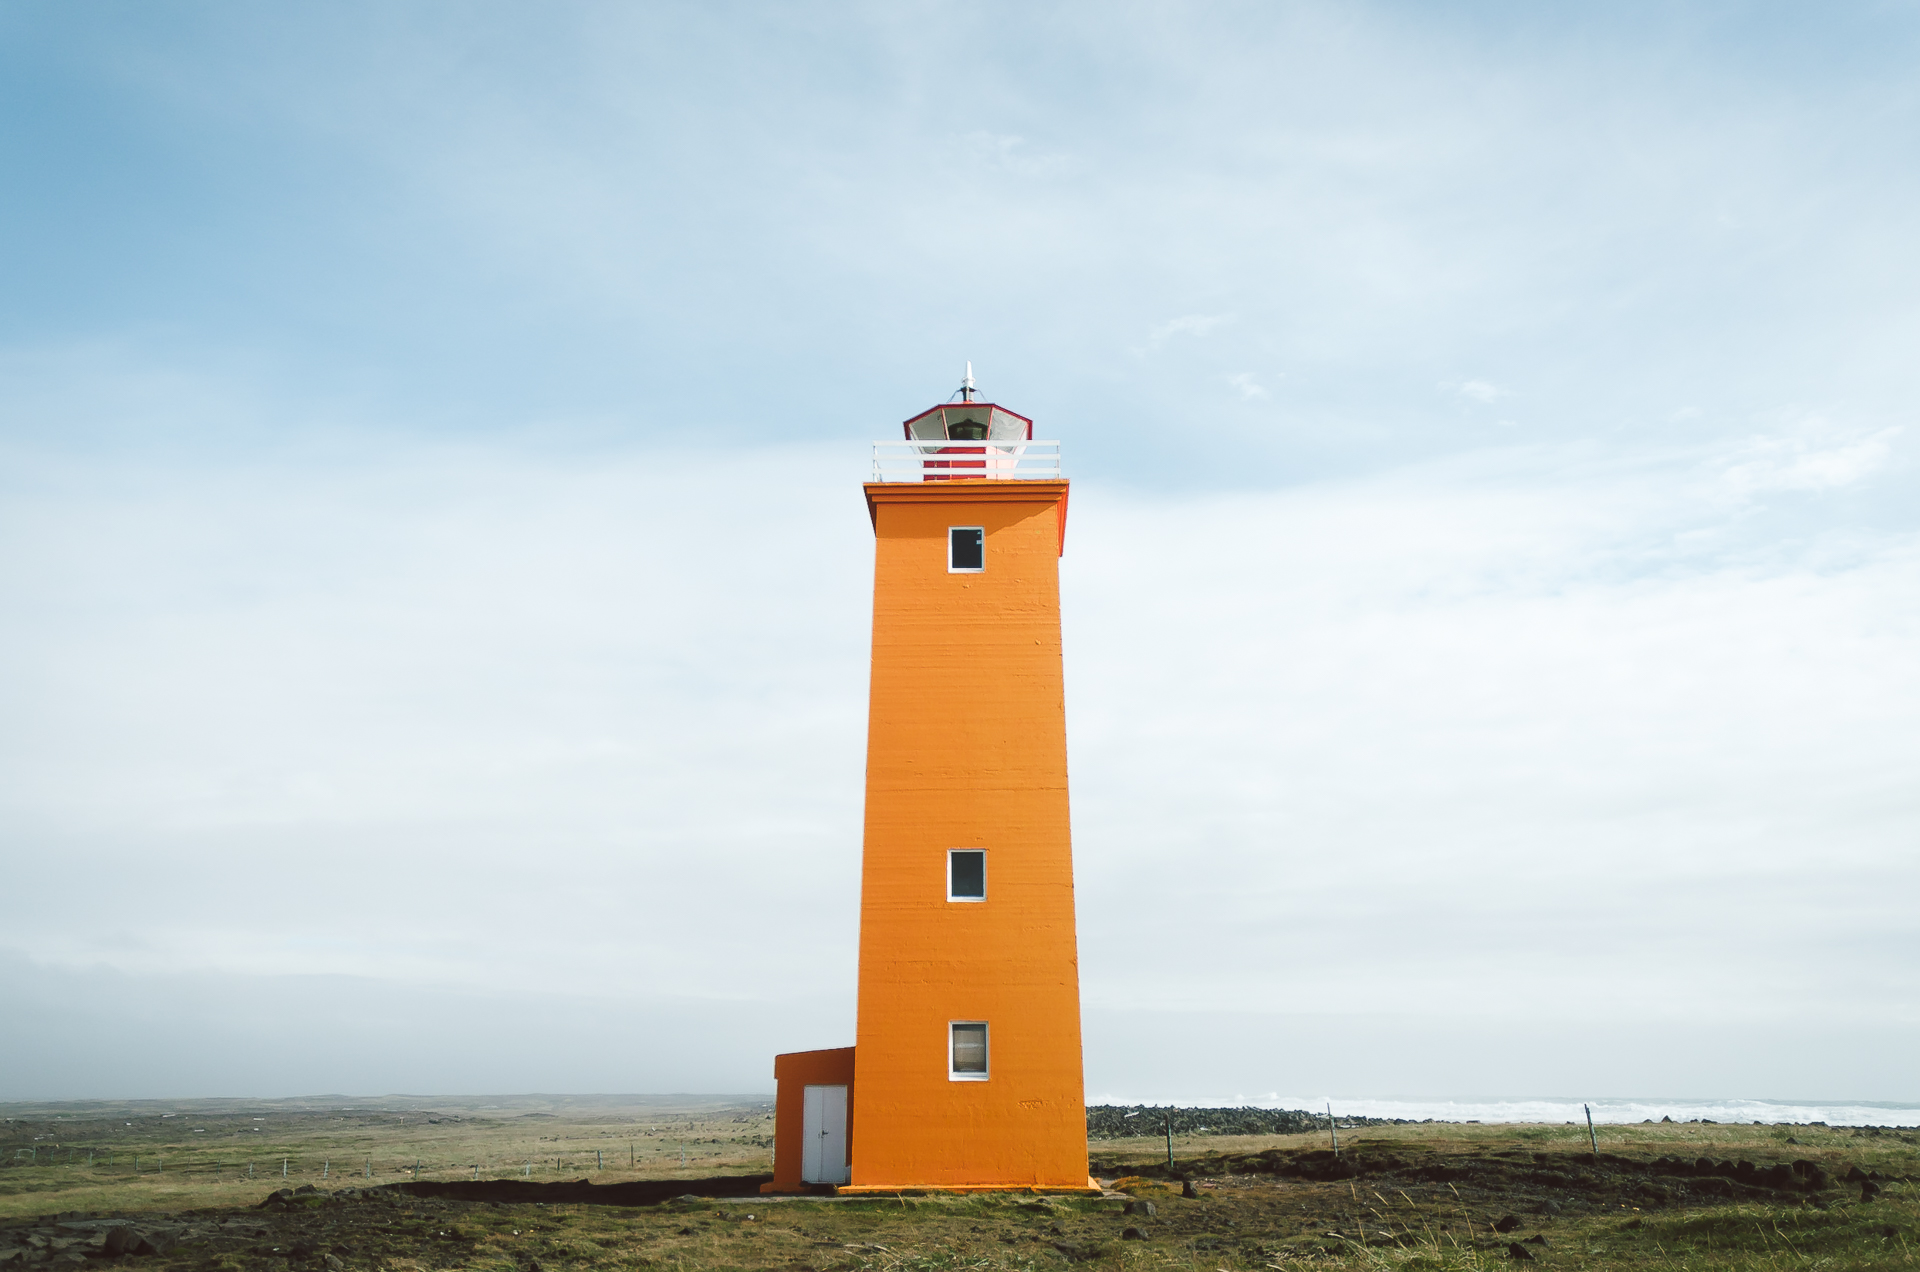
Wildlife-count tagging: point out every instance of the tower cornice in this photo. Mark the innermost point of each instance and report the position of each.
(970, 492)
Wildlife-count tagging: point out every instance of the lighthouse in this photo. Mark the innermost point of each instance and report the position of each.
(965, 1073)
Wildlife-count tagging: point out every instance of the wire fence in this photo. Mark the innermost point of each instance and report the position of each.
(114, 1161)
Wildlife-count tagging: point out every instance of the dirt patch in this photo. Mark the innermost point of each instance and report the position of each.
(643, 1192)
(1539, 1182)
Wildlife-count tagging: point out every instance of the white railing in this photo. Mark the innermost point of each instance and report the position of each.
(965, 461)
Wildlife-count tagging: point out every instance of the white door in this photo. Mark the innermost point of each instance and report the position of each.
(823, 1155)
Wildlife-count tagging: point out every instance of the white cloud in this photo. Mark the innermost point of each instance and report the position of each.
(1247, 387)
(1481, 391)
(1527, 727)
(1576, 716)
(1197, 325)
(1537, 728)
(457, 673)
(1014, 155)
(1812, 458)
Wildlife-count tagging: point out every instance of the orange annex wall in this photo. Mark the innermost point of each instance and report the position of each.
(967, 749)
(792, 1074)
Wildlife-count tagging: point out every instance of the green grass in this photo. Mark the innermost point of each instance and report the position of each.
(1379, 1223)
(173, 1155)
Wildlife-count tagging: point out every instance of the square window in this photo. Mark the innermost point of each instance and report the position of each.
(968, 1057)
(967, 874)
(966, 549)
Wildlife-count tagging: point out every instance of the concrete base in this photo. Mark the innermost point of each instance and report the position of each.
(1090, 1188)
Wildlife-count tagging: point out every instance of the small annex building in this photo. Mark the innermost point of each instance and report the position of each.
(965, 1073)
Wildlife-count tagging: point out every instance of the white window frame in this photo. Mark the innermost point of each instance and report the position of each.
(953, 569)
(986, 1038)
(983, 877)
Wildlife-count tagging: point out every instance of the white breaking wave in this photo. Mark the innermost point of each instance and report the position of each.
(1611, 1112)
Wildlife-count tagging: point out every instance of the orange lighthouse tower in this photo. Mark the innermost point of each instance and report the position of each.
(966, 1068)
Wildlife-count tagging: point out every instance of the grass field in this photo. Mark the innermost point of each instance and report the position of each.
(173, 1155)
(1433, 1196)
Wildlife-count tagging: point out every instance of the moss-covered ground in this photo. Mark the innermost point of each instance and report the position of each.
(1432, 1196)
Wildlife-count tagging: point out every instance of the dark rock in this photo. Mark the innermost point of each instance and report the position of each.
(334, 1263)
(1108, 1121)
(120, 1240)
(1132, 1234)
(1146, 1208)
(1666, 1119)
(1517, 1251)
(1536, 1240)
(1325, 1166)
(304, 1250)
(304, 1189)
(1811, 1174)
(1868, 1190)
(1507, 1223)
(153, 1243)
(1188, 1191)
(533, 1265)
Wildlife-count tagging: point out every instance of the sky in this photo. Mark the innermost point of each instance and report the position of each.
(434, 583)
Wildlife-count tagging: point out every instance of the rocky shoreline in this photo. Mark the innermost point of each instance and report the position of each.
(1119, 1121)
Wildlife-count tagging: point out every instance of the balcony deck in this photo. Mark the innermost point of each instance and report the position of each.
(920, 461)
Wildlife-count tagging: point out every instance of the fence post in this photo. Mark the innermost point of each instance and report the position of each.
(600, 1158)
(283, 1168)
(369, 1168)
(324, 1165)
(249, 1170)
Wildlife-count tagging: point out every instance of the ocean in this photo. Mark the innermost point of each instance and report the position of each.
(1559, 1109)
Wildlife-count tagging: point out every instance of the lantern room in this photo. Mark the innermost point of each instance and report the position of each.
(969, 422)
(963, 441)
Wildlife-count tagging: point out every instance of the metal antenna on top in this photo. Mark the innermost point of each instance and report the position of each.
(966, 385)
